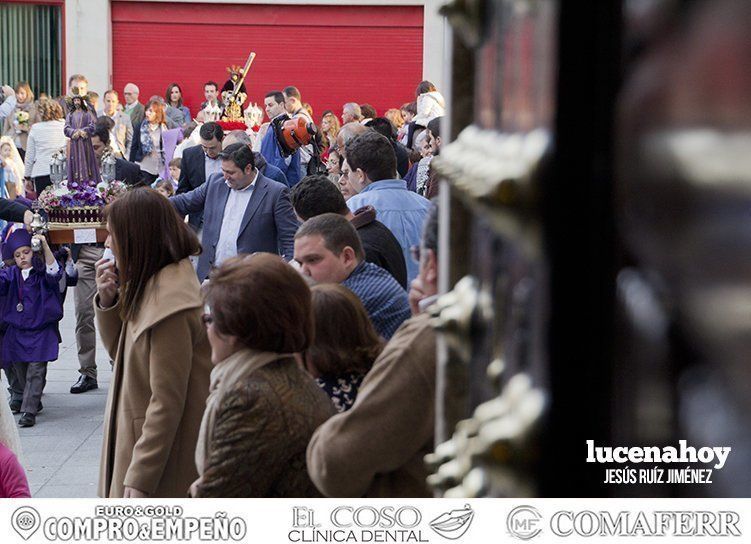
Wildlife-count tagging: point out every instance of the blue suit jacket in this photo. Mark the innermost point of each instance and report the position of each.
(192, 175)
(269, 223)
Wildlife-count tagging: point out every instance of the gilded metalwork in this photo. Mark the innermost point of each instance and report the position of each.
(491, 453)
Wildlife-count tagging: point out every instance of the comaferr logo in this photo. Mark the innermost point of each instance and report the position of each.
(524, 522)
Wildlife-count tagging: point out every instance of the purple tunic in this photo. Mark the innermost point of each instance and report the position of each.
(82, 163)
(31, 335)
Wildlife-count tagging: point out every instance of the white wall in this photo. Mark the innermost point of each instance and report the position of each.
(88, 42)
(89, 35)
(435, 42)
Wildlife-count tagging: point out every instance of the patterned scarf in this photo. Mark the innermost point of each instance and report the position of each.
(146, 142)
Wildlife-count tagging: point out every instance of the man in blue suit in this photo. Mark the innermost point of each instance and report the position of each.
(243, 211)
(271, 149)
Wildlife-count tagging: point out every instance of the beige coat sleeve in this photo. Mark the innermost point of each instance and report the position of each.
(171, 344)
(389, 423)
(109, 325)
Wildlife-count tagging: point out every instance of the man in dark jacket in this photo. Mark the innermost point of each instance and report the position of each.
(385, 127)
(199, 163)
(316, 195)
(128, 172)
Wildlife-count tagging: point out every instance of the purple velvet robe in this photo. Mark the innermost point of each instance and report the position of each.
(82, 163)
(31, 335)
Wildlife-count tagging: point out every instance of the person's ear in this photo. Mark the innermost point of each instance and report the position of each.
(438, 141)
(348, 255)
(431, 266)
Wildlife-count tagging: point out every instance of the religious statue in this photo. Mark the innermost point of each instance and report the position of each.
(79, 127)
(234, 92)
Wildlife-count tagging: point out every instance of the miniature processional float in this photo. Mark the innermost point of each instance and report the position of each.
(73, 204)
(233, 113)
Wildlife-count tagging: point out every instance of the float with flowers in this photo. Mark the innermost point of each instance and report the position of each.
(74, 208)
(80, 204)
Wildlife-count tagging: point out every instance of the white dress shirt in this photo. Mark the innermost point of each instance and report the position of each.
(212, 166)
(234, 211)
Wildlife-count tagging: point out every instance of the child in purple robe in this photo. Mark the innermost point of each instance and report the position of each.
(31, 311)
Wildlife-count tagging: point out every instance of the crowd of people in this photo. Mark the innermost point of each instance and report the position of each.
(262, 301)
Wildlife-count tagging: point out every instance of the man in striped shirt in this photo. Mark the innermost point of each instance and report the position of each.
(330, 251)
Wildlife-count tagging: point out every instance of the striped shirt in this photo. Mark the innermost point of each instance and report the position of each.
(384, 299)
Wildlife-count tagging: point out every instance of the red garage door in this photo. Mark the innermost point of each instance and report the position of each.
(333, 54)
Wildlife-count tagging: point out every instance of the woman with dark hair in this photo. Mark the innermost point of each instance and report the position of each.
(174, 98)
(430, 103)
(148, 310)
(408, 111)
(262, 408)
(156, 143)
(345, 343)
(45, 138)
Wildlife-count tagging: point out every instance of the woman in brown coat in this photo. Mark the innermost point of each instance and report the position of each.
(148, 309)
(263, 408)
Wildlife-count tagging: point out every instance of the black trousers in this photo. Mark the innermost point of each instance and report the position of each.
(41, 183)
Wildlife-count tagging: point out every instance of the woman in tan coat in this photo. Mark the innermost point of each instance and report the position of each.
(148, 310)
(263, 408)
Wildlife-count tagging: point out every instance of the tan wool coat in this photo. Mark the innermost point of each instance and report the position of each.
(162, 363)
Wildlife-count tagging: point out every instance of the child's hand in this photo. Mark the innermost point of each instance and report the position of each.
(107, 282)
(42, 240)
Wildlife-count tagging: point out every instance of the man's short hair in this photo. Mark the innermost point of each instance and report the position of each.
(337, 233)
(354, 109)
(237, 137)
(111, 91)
(211, 130)
(176, 162)
(278, 96)
(77, 77)
(240, 154)
(350, 131)
(383, 126)
(214, 83)
(102, 129)
(135, 87)
(292, 91)
(316, 195)
(434, 126)
(373, 154)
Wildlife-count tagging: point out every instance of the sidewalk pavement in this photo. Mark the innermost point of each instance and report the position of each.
(61, 452)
